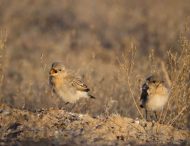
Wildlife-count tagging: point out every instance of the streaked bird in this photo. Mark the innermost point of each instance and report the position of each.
(65, 85)
(154, 95)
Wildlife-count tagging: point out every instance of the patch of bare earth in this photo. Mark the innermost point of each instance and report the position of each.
(59, 127)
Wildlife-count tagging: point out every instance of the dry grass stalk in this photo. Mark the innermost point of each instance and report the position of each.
(166, 75)
(43, 60)
(3, 39)
(128, 67)
(175, 118)
(178, 70)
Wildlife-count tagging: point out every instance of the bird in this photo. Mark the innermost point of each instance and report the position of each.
(154, 95)
(65, 85)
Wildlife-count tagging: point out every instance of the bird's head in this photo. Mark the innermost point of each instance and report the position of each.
(154, 81)
(57, 68)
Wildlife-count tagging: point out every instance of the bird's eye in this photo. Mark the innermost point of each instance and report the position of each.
(59, 70)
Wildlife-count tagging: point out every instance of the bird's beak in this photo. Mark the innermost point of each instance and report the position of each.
(52, 72)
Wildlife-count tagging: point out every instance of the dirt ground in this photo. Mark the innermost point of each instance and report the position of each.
(58, 127)
(34, 34)
(113, 46)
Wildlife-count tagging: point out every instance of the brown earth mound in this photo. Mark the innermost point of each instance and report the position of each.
(59, 127)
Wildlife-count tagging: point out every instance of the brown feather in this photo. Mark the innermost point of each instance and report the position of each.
(79, 85)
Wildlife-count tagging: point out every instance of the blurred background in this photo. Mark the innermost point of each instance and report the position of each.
(113, 44)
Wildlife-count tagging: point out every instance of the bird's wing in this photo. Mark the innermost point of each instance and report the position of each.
(79, 85)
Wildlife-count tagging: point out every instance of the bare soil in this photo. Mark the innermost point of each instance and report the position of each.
(59, 127)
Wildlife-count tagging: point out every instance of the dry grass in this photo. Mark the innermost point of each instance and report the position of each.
(127, 66)
(179, 70)
(3, 39)
(90, 37)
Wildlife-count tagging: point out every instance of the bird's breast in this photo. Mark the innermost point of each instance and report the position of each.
(156, 102)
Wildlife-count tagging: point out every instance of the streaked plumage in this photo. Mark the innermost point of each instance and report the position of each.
(68, 87)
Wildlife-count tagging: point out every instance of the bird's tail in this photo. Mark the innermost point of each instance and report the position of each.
(92, 97)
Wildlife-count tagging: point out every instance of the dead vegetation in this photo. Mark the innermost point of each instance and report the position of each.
(113, 45)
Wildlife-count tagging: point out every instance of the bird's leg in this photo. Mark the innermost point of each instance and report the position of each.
(52, 92)
(156, 117)
(146, 114)
(153, 116)
(63, 105)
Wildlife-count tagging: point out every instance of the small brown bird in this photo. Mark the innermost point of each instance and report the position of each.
(69, 88)
(154, 95)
